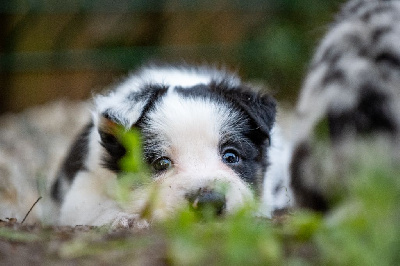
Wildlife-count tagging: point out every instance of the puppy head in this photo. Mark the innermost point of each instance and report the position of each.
(211, 131)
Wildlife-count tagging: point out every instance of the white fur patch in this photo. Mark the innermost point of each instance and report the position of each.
(277, 193)
(185, 77)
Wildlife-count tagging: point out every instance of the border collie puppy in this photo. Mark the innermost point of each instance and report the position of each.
(201, 128)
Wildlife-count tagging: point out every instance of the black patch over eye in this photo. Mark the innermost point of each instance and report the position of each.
(162, 164)
(230, 157)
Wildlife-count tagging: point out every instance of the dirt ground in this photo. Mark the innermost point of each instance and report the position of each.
(22, 244)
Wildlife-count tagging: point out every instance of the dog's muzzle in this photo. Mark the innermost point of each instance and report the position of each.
(205, 198)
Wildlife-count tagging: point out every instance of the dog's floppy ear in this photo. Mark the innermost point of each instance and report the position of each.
(121, 111)
(126, 107)
(261, 108)
(108, 125)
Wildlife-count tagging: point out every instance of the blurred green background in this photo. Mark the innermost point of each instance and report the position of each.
(69, 49)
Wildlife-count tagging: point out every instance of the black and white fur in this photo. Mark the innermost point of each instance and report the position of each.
(353, 85)
(203, 126)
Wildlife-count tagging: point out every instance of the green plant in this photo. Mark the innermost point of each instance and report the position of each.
(361, 229)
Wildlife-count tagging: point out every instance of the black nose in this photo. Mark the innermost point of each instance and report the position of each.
(207, 199)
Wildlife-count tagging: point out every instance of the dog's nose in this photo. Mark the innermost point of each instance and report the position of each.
(207, 198)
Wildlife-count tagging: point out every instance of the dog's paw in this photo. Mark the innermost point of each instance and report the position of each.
(129, 221)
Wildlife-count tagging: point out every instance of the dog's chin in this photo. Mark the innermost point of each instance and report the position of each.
(166, 197)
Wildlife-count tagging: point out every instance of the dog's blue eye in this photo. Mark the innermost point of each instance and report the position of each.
(230, 157)
(162, 164)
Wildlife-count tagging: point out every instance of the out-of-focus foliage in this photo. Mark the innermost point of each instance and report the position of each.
(361, 229)
(51, 49)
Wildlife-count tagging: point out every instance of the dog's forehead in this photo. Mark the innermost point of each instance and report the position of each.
(192, 123)
(198, 116)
